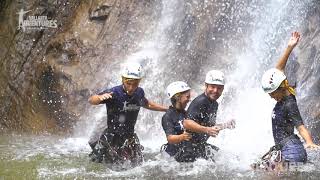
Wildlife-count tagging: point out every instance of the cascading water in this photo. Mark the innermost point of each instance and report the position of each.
(269, 32)
(242, 38)
(255, 41)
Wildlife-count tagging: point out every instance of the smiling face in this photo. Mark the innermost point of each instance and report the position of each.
(184, 99)
(181, 100)
(213, 91)
(130, 85)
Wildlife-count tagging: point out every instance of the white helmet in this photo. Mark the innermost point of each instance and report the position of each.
(215, 77)
(132, 71)
(177, 87)
(272, 79)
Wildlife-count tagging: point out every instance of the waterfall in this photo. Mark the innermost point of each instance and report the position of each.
(241, 38)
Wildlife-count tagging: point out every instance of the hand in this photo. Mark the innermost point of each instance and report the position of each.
(312, 146)
(213, 131)
(295, 36)
(230, 124)
(185, 136)
(105, 96)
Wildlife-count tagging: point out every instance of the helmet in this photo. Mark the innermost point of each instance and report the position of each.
(132, 71)
(215, 77)
(177, 87)
(272, 79)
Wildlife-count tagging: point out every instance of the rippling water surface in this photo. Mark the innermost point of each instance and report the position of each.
(53, 157)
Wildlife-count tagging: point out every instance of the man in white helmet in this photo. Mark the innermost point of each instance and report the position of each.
(118, 142)
(201, 117)
(286, 115)
(172, 121)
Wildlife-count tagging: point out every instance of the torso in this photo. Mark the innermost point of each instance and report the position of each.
(203, 111)
(285, 117)
(172, 124)
(122, 109)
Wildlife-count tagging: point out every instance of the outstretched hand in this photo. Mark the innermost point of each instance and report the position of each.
(213, 131)
(231, 124)
(295, 37)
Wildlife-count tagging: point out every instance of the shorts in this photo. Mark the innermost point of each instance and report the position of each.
(293, 151)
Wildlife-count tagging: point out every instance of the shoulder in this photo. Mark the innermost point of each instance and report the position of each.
(290, 101)
(140, 92)
(170, 113)
(117, 88)
(200, 100)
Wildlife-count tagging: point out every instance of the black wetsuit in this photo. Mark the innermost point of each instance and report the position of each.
(118, 141)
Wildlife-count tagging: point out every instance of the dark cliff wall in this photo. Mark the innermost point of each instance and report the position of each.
(45, 74)
(308, 73)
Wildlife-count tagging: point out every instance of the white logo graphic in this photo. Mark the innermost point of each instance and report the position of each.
(35, 22)
(181, 124)
(130, 107)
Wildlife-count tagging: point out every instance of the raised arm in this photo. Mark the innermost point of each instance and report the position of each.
(281, 64)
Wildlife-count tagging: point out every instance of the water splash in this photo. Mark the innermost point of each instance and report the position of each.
(247, 37)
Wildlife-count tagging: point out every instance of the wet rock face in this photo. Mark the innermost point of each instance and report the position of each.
(27, 81)
(45, 75)
(309, 72)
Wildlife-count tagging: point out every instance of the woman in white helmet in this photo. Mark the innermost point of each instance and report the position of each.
(179, 94)
(118, 141)
(286, 115)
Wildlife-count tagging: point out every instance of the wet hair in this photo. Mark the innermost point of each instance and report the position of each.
(174, 99)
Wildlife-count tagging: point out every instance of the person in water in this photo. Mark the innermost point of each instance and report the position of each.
(201, 119)
(118, 142)
(172, 121)
(286, 115)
